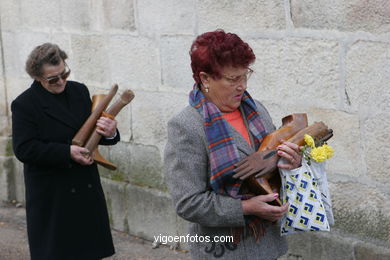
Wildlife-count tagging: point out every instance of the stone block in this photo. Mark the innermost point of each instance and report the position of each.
(346, 15)
(150, 118)
(90, 59)
(6, 146)
(5, 126)
(18, 176)
(367, 75)
(150, 213)
(40, 14)
(63, 40)
(166, 17)
(176, 64)
(116, 198)
(361, 210)
(365, 251)
(7, 183)
(10, 14)
(375, 136)
(17, 47)
(3, 97)
(289, 72)
(240, 16)
(124, 123)
(136, 163)
(146, 166)
(119, 15)
(134, 62)
(76, 15)
(319, 245)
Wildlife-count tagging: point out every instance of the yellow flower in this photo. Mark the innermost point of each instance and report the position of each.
(309, 140)
(329, 151)
(320, 154)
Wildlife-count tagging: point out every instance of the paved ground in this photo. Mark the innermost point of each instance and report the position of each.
(13, 240)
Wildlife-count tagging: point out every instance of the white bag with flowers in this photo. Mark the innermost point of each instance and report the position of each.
(306, 190)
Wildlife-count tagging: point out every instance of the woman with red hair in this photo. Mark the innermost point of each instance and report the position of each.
(221, 126)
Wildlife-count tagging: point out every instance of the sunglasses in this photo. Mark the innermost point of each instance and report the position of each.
(64, 75)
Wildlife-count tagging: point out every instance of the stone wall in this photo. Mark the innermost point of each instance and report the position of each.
(329, 59)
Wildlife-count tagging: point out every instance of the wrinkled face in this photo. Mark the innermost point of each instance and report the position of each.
(54, 77)
(226, 92)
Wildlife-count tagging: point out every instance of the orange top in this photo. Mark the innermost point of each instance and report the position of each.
(237, 122)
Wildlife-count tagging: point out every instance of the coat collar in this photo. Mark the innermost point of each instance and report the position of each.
(56, 110)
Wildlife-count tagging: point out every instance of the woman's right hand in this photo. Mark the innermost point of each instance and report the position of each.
(259, 207)
(80, 155)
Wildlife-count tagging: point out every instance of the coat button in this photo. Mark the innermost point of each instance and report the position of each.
(89, 185)
(73, 190)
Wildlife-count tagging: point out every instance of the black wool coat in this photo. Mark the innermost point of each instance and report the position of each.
(65, 205)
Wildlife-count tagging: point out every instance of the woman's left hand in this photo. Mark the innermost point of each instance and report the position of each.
(291, 153)
(106, 127)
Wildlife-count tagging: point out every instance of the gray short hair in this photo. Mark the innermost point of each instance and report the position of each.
(47, 53)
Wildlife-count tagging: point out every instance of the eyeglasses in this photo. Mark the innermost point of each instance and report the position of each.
(234, 80)
(54, 79)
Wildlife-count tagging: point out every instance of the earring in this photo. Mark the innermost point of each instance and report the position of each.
(206, 88)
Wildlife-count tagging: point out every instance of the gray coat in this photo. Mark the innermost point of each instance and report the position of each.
(187, 174)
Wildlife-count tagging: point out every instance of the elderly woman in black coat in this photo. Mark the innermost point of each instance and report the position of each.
(66, 210)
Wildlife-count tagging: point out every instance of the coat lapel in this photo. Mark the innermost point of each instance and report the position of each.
(56, 110)
(242, 144)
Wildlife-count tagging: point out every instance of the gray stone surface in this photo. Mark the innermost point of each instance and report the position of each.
(5, 128)
(240, 16)
(18, 177)
(150, 213)
(288, 72)
(17, 46)
(364, 251)
(346, 15)
(7, 182)
(119, 15)
(137, 164)
(116, 198)
(40, 14)
(10, 15)
(176, 64)
(76, 15)
(134, 62)
(90, 59)
(361, 210)
(151, 112)
(375, 134)
(368, 70)
(322, 246)
(166, 17)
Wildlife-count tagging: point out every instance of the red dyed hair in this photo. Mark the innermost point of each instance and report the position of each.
(212, 51)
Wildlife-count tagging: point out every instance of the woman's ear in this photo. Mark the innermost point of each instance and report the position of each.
(204, 77)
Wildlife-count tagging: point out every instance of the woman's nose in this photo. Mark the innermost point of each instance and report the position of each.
(242, 86)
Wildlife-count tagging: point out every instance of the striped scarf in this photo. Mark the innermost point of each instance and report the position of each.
(223, 149)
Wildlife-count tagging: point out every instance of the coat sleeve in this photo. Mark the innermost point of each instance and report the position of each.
(111, 141)
(186, 168)
(28, 148)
